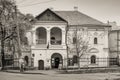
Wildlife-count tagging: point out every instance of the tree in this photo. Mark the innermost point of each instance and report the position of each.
(80, 44)
(7, 24)
(12, 22)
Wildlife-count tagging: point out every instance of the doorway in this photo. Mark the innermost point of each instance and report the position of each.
(26, 60)
(56, 59)
(40, 65)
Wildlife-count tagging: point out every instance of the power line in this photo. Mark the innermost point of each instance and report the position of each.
(38, 3)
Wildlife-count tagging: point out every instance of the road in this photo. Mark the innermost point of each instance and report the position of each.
(52, 75)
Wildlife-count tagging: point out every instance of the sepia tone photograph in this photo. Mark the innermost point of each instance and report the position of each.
(59, 40)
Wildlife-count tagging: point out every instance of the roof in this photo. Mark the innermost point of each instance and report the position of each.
(78, 18)
(75, 18)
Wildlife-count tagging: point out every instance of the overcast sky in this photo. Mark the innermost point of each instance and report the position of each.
(102, 10)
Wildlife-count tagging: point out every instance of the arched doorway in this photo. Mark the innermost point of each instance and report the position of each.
(41, 65)
(26, 58)
(56, 60)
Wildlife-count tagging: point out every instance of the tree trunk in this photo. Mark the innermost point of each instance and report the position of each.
(78, 62)
(2, 54)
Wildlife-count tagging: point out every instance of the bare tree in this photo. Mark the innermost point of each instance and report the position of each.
(80, 43)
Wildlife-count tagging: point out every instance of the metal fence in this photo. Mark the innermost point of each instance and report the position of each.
(72, 61)
(109, 61)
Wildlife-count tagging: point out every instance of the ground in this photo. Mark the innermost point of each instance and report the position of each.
(55, 75)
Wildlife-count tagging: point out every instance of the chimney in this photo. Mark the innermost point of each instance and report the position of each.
(75, 8)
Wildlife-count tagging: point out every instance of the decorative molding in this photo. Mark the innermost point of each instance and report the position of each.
(93, 50)
(95, 33)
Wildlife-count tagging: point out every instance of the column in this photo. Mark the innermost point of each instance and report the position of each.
(48, 36)
(63, 37)
(31, 42)
(34, 38)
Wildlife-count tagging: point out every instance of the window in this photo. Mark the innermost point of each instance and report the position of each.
(74, 40)
(93, 59)
(33, 55)
(95, 41)
(70, 61)
(25, 41)
(41, 35)
(56, 36)
(74, 59)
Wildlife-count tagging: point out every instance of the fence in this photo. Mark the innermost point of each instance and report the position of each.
(92, 61)
(105, 62)
(14, 63)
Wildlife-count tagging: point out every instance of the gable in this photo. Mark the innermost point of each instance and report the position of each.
(48, 15)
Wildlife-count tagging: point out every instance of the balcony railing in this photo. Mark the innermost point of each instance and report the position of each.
(56, 42)
(41, 41)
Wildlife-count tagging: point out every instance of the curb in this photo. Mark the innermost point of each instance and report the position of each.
(25, 72)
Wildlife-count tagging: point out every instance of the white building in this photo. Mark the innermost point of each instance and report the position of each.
(53, 31)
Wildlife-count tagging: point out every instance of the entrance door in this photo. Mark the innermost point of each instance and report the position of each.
(27, 60)
(56, 59)
(41, 65)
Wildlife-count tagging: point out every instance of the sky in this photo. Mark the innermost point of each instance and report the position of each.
(102, 10)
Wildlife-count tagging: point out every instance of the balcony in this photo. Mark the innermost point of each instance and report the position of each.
(56, 42)
(41, 41)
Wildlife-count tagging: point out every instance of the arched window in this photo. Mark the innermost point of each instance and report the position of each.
(56, 36)
(93, 59)
(74, 40)
(95, 41)
(25, 41)
(41, 35)
(27, 60)
(74, 59)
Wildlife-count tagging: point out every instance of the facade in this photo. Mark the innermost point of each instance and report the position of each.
(52, 40)
(114, 42)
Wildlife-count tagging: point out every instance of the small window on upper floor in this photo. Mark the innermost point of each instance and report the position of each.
(74, 40)
(95, 41)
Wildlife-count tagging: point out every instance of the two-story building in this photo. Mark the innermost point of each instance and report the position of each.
(53, 33)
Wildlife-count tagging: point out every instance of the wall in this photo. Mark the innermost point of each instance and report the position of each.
(100, 50)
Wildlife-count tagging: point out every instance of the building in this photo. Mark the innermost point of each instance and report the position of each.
(52, 40)
(114, 42)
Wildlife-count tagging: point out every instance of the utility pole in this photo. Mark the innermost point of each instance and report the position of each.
(118, 47)
(18, 34)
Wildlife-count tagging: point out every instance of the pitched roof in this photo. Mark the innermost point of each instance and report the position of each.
(78, 18)
(52, 14)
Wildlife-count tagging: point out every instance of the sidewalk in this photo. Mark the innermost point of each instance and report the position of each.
(73, 71)
(41, 72)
